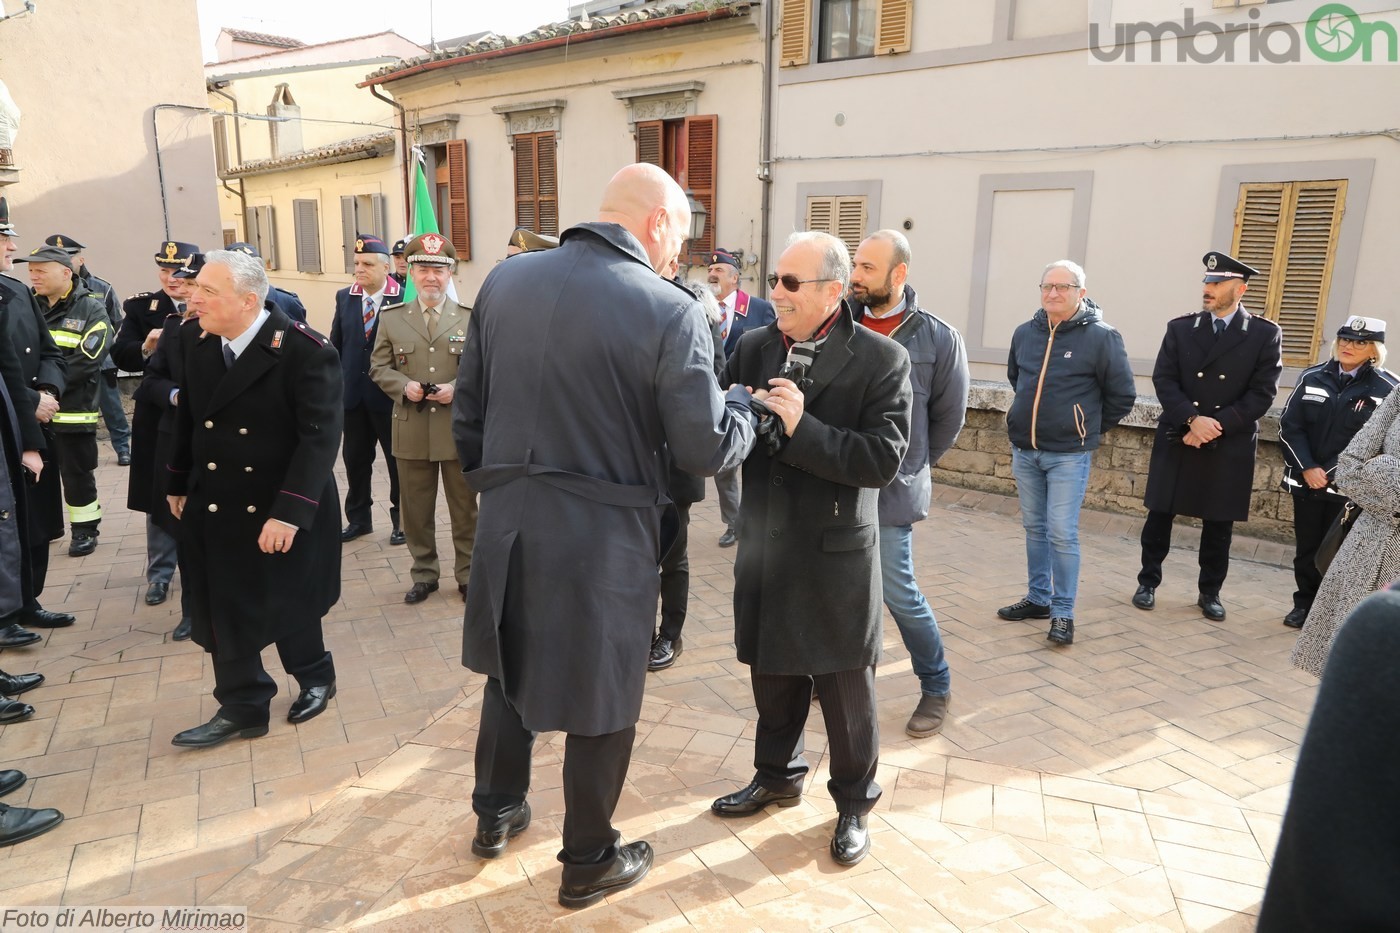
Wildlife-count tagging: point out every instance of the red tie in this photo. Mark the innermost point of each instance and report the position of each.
(369, 315)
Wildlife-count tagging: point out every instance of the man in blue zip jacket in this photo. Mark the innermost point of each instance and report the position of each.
(882, 301)
(1072, 382)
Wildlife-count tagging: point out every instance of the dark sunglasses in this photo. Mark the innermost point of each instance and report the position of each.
(791, 283)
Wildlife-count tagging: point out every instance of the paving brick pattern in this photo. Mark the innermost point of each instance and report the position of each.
(1134, 781)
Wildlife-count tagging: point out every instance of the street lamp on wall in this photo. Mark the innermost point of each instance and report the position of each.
(698, 215)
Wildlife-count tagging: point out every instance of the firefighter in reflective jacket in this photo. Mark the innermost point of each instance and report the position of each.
(79, 324)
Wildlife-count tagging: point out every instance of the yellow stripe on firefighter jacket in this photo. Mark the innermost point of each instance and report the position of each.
(79, 325)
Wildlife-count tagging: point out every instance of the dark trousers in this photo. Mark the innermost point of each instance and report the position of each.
(853, 733)
(595, 767)
(675, 577)
(245, 690)
(1312, 516)
(1214, 554)
(77, 465)
(364, 430)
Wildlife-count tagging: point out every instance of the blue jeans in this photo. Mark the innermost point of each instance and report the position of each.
(1051, 488)
(911, 611)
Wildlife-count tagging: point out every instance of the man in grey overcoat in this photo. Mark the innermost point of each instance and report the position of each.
(582, 367)
(807, 587)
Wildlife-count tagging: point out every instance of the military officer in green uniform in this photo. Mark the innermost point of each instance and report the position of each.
(414, 361)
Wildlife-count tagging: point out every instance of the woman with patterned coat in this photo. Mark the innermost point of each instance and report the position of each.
(1368, 472)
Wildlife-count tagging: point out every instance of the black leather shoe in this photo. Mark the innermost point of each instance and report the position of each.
(124, 458)
(184, 630)
(11, 781)
(397, 537)
(352, 532)
(491, 838)
(1025, 609)
(754, 798)
(1145, 597)
(1294, 619)
(311, 703)
(42, 618)
(20, 823)
(419, 592)
(215, 731)
(851, 841)
(729, 538)
(14, 710)
(12, 685)
(663, 653)
(157, 593)
(15, 635)
(462, 591)
(82, 545)
(1211, 607)
(631, 865)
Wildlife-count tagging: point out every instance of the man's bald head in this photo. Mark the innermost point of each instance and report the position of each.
(652, 207)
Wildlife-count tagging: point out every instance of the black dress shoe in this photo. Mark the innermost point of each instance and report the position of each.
(184, 630)
(12, 685)
(11, 781)
(215, 731)
(42, 618)
(1145, 597)
(462, 591)
(1294, 619)
(124, 458)
(663, 653)
(729, 538)
(14, 710)
(397, 537)
(491, 838)
(352, 532)
(1025, 609)
(631, 865)
(311, 703)
(81, 546)
(20, 823)
(1211, 607)
(419, 592)
(156, 593)
(15, 635)
(851, 841)
(754, 798)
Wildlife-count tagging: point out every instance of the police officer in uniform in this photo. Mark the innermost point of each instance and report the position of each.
(1328, 406)
(1216, 376)
(414, 361)
(400, 273)
(79, 324)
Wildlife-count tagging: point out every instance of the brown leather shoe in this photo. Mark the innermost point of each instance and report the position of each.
(419, 592)
(928, 716)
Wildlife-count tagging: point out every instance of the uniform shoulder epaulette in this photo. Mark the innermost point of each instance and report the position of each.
(10, 276)
(301, 328)
(391, 307)
(1180, 317)
(1389, 376)
(192, 320)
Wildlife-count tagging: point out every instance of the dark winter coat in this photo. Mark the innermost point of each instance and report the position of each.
(252, 442)
(150, 461)
(807, 592)
(1320, 418)
(1233, 379)
(349, 339)
(1087, 386)
(582, 366)
(43, 367)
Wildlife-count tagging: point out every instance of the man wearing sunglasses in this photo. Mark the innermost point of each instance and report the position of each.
(807, 575)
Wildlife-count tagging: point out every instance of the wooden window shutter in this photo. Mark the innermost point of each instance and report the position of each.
(850, 221)
(795, 32)
(650, 134)
(379, 216)
(458, 219)
(1288, 231)
(526, 193)
(701, 172)
(348, 229)
(306, 223)
(547, 175)
(821, 214)
(894, 24)
(262, 233)
(220, 128)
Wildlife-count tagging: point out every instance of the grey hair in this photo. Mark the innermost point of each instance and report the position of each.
(898, 242)
(836, 256)
(384, 258)
(249, 275)
(1074, 269)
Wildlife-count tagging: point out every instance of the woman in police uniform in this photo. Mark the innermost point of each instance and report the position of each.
(1329, 405)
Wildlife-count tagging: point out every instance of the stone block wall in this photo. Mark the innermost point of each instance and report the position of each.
(981, 460)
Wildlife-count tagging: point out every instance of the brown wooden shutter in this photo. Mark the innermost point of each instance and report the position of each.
(795, 32)
(850, 221)
(649, 140)
(547, 175)
(894, 25)
(701, 163)
(526, 192)
(821, 214)
(1288, 231)
(458, 220)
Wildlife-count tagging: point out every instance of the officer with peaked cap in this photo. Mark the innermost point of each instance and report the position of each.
(414, 361)
(1216, 375)
(367, 420)
(1330, 403)
(400, 273)
(527, 241)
